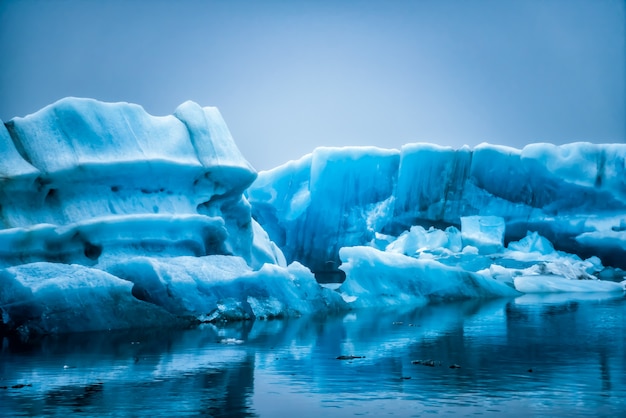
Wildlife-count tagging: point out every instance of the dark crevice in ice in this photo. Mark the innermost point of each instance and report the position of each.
(601, 162)
(52, 197)
(92, 251)
(41, 183)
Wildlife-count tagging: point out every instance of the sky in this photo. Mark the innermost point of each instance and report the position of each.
(292, 75)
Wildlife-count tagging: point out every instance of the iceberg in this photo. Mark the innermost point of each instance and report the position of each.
(113, 218)
(44, 298)
(573, 195)
(221, 287)
(429, 223)
(558, 284)
(376, 278)
(84, 180)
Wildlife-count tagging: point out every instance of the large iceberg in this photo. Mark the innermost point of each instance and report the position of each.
(113, 218)
(574, 195)
(433, 223)
(83, 180)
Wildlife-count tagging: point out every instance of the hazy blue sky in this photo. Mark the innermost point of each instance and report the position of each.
(292, 75)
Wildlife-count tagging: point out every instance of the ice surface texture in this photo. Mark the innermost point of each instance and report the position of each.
(574, 195)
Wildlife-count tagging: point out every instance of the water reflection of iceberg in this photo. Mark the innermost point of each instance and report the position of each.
(574, 348)
(134, 372)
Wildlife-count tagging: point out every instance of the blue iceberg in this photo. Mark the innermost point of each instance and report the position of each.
(112, 218)
(574, 195)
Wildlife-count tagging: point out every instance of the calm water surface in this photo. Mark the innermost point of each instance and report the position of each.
(536, 356)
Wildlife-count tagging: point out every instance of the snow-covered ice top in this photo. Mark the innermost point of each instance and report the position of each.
(574, 195)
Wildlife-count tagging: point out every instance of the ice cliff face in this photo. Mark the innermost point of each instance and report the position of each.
(575, 195)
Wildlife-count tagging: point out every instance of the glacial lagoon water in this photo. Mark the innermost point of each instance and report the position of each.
(533, 356)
